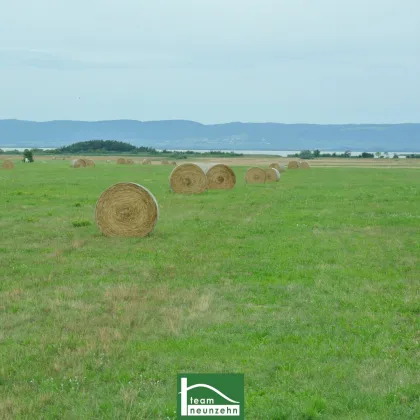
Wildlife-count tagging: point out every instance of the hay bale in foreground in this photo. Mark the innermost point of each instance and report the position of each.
(90, 163)
(272, 175)
(293, 164)
(220, 177)
(126, 209)
(188, 178)
(8, 164)
(121, 161)
(255, 175)
(146, 162)
(304, 165)
(78, 163)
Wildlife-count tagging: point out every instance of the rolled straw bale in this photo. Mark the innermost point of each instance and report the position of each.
(272, 175)
(129, 162)
(304, 165)
(293, 164)
(280, 168)
(121, 161)
(188, 178)
(78, 163)
(146, 162)
(220, 177)
(173, 163)
(7, 164)
(126, 209)
(255, 175)
(165, 162)
(90, 163)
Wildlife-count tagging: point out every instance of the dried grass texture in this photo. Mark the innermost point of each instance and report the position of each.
(220, 176)
(188, 178)
(146, 162)
(293, 164)
(121, 161)
(304, 165)
(90, 163)
(78, 163)
(272, 175)
(255, 175)
(126, 209)
(7, 164)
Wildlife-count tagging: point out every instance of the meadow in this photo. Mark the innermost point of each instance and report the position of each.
(309, 286)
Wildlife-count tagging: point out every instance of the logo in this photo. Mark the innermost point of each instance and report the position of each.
(210, 395)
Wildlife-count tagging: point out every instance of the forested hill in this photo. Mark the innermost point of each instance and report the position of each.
(180, 134)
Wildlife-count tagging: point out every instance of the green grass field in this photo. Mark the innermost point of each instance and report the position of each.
(310, 287)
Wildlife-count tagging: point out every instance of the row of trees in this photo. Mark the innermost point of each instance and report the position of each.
(308, 154)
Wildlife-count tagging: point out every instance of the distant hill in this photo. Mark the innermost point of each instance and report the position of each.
(180, 134)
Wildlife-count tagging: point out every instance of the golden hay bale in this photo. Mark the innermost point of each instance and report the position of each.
(78, 163)
(121, 161)
(280, 168)
(8, 164)
(293, 164)
(255, 175)
(146, 162)
(165, 162)
(220, 177)
(126, 209)
(129, 162)
(90, 163)
(272, 175)
(188, 178)
(304, 165)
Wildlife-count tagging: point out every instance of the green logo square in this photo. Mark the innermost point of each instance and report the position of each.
(210, 395)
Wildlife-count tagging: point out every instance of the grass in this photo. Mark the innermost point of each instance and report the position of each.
(309, 286)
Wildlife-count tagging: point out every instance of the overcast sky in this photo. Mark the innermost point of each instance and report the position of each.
(212, 61)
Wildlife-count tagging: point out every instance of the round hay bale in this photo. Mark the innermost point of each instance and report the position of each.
(108, 161)
(280, 168)
(220, 177)
(272, 175)
(121, 161)
(173, 163)
(255, 175)
(129, 162)
(188, 178)
(293, 164)
(165, 162)
(78, 163)
(7, 164)
(146, 162)
(126, 209)
(304, 165)
(90, 163)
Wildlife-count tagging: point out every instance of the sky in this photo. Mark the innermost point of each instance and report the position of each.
(211, 61)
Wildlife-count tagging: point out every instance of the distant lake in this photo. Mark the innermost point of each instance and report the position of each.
(282, 153)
